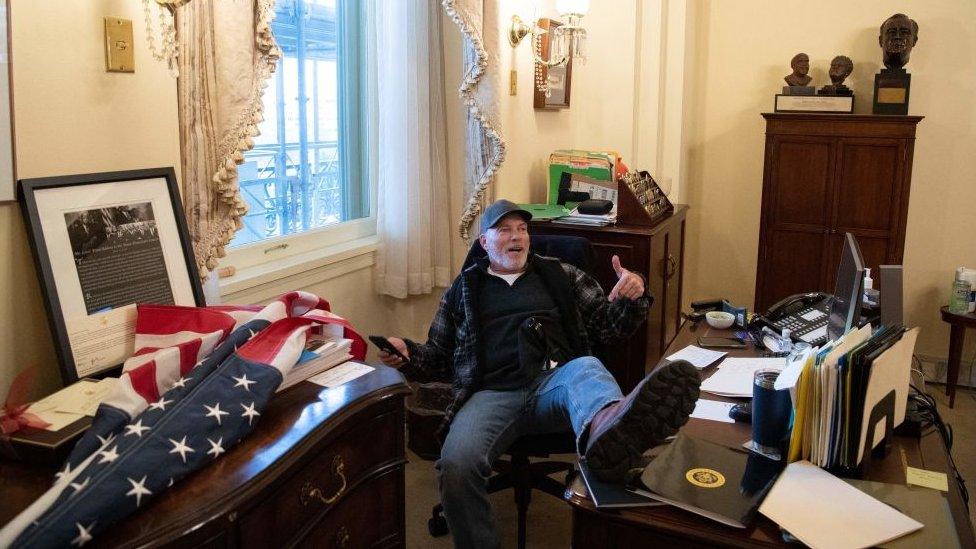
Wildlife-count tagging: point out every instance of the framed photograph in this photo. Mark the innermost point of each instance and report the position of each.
(103, 243)
(558, 77)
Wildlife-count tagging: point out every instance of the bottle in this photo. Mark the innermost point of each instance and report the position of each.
(870, 294)
(959, 299)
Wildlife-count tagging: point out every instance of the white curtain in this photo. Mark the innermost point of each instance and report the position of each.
(408, 148)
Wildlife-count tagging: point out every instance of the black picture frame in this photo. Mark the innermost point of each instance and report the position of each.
(125, 212)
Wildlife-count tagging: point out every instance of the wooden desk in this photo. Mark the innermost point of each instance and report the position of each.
(957, 335)
(262, 492)
(645, 527)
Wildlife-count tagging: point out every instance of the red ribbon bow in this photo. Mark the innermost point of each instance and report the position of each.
(15, 415)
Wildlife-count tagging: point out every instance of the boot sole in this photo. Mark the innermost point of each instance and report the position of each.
(660, 408)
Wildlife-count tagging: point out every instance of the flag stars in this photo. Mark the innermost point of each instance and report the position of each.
(181, 383)
(249, 412)
(136, 429)
(215, 412)
(138, 489)
(105, 441)
(84, 534)
(243, 382)
(63, 473)
(108, 456)
(181, 448)
(160, 404)
(216, 448)
(79, 486)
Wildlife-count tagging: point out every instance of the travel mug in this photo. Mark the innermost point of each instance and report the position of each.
(771, 410)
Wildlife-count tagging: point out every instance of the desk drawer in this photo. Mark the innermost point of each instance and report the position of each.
(369, 517)
(336, 468)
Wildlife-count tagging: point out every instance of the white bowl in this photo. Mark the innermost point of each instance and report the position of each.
(719, 319)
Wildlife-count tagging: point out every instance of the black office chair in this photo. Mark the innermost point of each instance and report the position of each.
(517, 472)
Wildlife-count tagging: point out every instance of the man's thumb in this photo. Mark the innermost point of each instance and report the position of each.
(615, 261)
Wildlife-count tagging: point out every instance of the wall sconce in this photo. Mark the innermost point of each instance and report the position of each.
(568, 39)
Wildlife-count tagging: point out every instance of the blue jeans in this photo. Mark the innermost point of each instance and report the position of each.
(560, 400)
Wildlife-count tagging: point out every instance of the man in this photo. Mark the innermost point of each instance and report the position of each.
(898, 36)
(801, 66)
(840, 68)
(495, 334)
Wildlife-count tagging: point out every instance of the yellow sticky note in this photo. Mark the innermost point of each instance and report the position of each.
(928, 479)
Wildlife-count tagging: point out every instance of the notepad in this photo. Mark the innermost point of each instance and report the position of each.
(698, 357)
(821, 510)
(735, 375)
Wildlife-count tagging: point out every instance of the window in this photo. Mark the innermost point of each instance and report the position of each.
(306, 171)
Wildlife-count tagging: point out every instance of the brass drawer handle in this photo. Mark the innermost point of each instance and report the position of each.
(310, 492)
(342, 537)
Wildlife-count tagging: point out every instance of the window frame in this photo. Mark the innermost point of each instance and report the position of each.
(359, 189)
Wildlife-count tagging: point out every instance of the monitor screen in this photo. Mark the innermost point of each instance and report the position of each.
(845, 310)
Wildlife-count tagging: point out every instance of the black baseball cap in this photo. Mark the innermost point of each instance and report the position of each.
(499, 209)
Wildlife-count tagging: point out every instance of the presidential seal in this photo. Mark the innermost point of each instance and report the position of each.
(705, 478)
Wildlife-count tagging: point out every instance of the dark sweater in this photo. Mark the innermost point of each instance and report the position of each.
(503, 309)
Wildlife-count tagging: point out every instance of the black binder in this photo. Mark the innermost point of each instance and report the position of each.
(711, 480)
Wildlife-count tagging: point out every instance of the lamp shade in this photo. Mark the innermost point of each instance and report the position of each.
(579, 7)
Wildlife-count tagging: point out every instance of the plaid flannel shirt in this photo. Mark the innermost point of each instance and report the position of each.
(452, 351)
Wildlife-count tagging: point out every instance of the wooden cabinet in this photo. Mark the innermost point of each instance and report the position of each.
(824, 175)
(323, 468)
(657, 253)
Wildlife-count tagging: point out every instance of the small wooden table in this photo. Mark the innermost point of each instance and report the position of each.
(650, 526)
(958, 323)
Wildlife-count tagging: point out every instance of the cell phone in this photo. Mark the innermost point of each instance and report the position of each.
(384, 345)
(722, 342)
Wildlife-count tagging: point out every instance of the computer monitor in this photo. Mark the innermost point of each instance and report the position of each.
(845, 309)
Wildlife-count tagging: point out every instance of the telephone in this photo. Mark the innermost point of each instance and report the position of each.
(805, 315)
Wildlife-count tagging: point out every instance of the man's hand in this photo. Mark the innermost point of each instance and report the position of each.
(391, 359)
(629, 284)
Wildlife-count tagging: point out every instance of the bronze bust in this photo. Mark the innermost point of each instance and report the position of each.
(801, 66)
(898, 36)
(840, 68)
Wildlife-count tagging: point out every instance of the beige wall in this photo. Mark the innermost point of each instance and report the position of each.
(744, 50)
(70, 117)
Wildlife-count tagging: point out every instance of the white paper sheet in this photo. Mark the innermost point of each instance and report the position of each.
(823, 511)
(713, 410)
(734, 376)
(698, 357)
(341, 374)
(72, 403)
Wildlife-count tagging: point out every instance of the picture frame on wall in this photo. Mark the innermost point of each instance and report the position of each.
(559, 77)
(103, 243)
(8, 187)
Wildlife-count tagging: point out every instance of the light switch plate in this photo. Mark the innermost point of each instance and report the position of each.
(119, 52)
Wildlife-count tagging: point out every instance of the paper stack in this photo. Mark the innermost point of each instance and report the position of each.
(319, 355)
(734, 376)
(576, 218)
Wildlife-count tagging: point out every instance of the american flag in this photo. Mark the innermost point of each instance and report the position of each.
(195, 387)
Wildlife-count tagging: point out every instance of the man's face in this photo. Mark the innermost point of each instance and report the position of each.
(897, 36)
(507, 244)
(802, 65)
(838, 70)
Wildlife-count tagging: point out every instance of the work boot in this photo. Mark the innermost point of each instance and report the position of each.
(620, 433)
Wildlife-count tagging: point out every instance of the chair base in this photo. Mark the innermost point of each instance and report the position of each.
(523, 476)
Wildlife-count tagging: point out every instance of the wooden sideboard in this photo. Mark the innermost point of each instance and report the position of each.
(657, 253)
(324, 468)
(824, 175)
